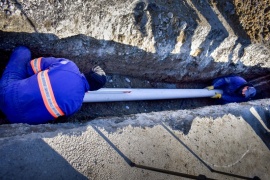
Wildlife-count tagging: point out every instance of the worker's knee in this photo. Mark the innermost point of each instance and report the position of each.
(21, 54)
(23, 50)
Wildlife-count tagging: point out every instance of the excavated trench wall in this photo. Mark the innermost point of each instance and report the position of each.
(171, 41)
(150, 43)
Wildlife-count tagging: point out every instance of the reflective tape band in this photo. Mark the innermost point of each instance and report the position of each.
(47, 94)
(36, 65)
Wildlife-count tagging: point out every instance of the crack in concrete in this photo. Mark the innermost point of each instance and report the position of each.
(230, 165)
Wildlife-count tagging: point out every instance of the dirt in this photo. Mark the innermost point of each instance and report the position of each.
(254, 16)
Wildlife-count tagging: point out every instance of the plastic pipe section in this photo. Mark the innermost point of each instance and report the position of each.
(115, 94)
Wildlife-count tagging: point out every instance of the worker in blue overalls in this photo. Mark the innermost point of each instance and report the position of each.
(235, 89)
(35, 91)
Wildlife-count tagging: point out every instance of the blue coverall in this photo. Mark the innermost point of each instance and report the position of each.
(39, 90)
(231, 86)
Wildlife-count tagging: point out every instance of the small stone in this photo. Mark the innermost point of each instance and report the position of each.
(197, 52)
(170, 15)
(127, 80)
(183, 25)
(8, 12)
(181, 38)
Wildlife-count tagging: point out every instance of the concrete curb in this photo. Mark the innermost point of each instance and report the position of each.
(221, 143)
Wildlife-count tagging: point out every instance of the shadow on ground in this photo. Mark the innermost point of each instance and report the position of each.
(34, 159)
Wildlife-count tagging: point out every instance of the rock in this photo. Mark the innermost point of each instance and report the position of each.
(170, 15)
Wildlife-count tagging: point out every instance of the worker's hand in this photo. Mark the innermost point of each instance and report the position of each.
(98, 70)
(209, 87)
(217, 96)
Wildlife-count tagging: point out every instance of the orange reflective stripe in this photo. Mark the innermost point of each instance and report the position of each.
(47, 94)
(52, 95)
(36, 65)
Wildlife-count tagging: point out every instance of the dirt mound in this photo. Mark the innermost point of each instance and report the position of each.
(254, 16)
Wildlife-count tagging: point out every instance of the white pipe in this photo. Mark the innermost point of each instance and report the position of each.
(119, 94)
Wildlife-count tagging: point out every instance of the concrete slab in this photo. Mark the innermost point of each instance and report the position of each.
(219, 143)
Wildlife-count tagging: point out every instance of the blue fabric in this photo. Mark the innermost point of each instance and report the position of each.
(21, 100)
(231, 86)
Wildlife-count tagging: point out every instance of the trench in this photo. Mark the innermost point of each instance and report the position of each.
(90, 111)
(94, 111)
